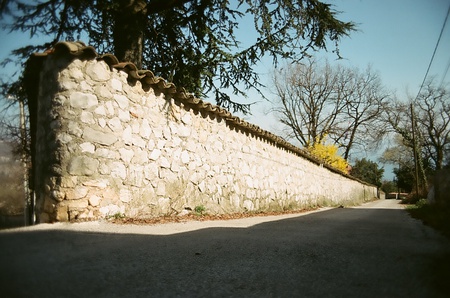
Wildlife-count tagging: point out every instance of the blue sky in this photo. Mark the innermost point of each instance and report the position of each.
(396, 37)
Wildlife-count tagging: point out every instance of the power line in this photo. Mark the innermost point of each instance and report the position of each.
(445, 73)
(434, 52)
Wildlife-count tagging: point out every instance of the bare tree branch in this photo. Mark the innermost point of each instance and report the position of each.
(315, 100)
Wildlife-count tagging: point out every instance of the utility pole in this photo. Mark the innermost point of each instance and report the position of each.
(29, 206)
(416, 163)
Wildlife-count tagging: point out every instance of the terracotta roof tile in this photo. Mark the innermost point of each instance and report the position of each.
(147, 78)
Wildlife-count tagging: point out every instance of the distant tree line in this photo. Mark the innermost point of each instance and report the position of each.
(314, 100)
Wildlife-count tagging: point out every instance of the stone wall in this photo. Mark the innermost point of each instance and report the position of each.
(106, 147)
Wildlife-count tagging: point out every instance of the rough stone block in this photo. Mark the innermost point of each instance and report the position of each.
(77, 204)
(165, 163)
(82, 100)
(64, 138)
(187, 119)
(202, 186)
(164, 205)
(136, 176)
(74, 129)
(248, 205)
(161, 144)
(125, 195)
(122, 101)
(138, 141)
(99, 137)
(84, 86)
(103, 92)
(116, 84)
(161, 188)
(83, 166)
(140, 156)
(98, 183)
(175, 167)
(127, 135)
(98, 71)
(77, 193)
(126, 154)
(118, 170)
(151, 171)
(49, 205)
(185, 158)
(124, 115)
(106, 153)
(110, 108)
(104, 169)
(69, 182)
(100, 110)
(68, 85)
(156, 153)
(61, 213)
(145, 129)
(87, 147)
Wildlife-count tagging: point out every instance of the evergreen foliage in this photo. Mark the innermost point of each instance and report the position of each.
(192, 43)
(405, 178)
(389, 186)
(368, 171)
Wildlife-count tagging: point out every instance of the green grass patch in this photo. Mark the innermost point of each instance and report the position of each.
(116, 216)
(435, 216)
(200, 209)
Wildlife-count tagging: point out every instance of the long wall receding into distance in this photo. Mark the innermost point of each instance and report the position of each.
(111, 139)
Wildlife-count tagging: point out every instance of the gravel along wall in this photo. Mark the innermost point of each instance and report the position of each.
(112, 140)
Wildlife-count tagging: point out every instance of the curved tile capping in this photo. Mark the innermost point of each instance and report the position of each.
(67, 193)
(147, 78)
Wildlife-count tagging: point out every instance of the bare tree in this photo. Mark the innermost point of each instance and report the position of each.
(432, 118)
(399, 154)
(316, 99)
(364, 98)
(306, 102)
(10, 114)
(433, 122)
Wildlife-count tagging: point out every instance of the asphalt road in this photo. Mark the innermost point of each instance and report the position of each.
(375, 250)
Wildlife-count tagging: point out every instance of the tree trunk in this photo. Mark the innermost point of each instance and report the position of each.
(128, 31)
(439, 157)
(350, 142)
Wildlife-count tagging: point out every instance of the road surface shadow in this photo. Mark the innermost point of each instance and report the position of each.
(11, 221)
(336, 253)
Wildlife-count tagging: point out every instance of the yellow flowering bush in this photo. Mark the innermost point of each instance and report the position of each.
(329, 154)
